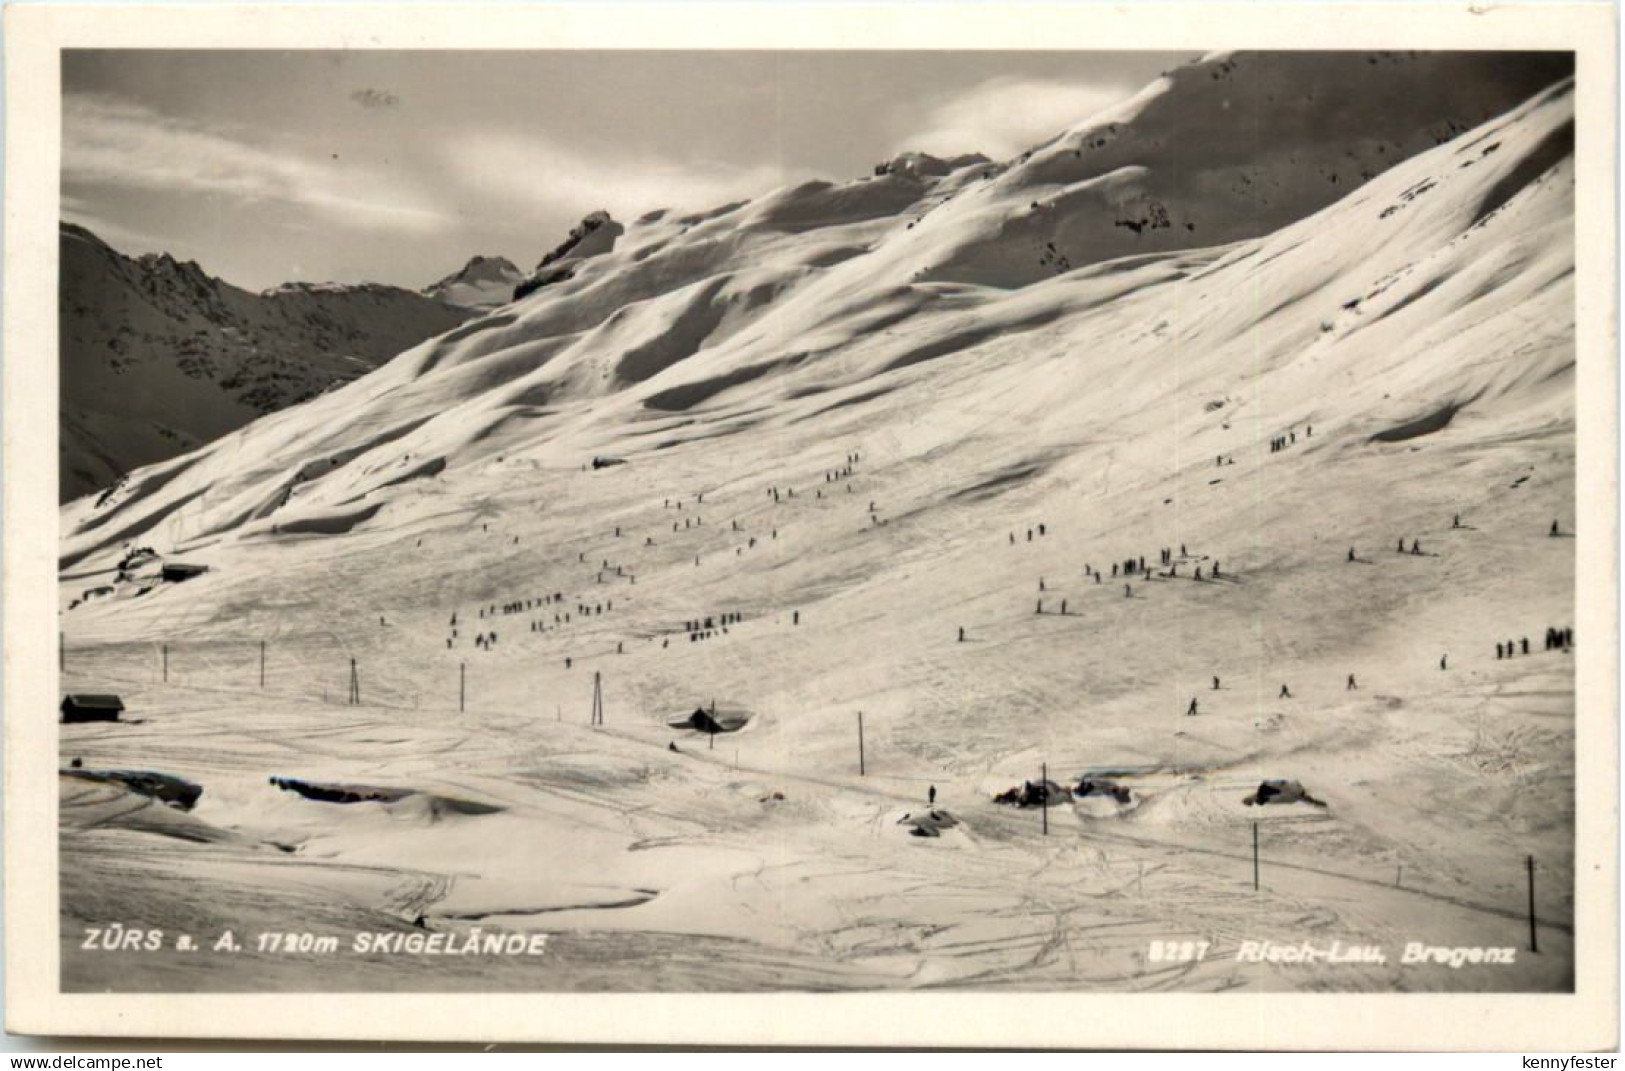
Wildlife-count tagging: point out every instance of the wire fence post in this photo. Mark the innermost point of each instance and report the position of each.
(262, 665)
(1043, 782)
(862, 765)
(166, 663)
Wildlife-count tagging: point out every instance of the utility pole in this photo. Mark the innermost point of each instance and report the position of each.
(462, 687)
(1533, 945)
(597, 698)
(262, 665)
(166, 663)
(1255, 857)
(355, 685)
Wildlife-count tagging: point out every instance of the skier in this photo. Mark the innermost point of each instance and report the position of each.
(1525, 645)
(931, 796)
(1215, 684)
(1286, 693)
(1191, 711)
(1351, 686)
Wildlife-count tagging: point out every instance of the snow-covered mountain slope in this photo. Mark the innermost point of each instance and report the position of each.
(482, 283)
(812, 291)
(158, 358)
(1233, 147)
(861, 450)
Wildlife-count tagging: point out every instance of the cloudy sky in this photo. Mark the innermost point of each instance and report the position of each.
(397, 167)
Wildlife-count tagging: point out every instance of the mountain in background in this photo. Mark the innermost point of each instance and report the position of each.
(482, 283)
(158, 358)
(823, 291)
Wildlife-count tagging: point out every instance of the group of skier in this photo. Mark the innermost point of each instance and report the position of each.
(1281, 442)
(1557, 639)
(1041, 528)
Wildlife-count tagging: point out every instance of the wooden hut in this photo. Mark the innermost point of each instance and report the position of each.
(86, 707)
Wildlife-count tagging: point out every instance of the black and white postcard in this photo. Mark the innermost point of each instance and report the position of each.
(914, 524)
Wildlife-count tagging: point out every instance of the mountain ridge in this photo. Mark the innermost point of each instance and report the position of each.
(158, 357)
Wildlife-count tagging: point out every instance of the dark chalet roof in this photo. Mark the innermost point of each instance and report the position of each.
(92, 701)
